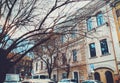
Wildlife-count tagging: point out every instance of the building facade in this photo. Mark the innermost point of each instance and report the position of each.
(96, 56)
(71, 59)
(103, 47)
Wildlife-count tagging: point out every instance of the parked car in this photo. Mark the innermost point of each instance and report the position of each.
(67, 81)
(91, 81)
(38, 81)
(12, 78)
(38, 78)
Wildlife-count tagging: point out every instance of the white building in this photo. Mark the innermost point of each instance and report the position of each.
(102, 45)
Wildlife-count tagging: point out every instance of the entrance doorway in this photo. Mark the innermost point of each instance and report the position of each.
(109, 77)
(76, 76)
(97, 76)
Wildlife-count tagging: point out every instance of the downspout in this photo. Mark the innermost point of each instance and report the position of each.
(112, 42)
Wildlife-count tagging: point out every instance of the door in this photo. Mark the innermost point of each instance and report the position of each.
(109, 77)
(76, 77)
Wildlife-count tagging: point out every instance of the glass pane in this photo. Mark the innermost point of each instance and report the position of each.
(35, 77)
(92, 50)
(104, 47)
(89, 24)
(100, 19)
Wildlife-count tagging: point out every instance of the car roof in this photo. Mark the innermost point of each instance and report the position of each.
(39, 74)
(67, 79)
(91, 80)
(35, 80)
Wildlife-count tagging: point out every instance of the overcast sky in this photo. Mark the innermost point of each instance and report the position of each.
(43, 8)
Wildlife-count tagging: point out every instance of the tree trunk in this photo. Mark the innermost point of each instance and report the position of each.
(49, 72)
(2, 76)
(68, 70)
(5, 65)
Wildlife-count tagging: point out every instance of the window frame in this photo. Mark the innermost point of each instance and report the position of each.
(104, 48)
(89, 24)
(73, 33)
(74, 54)
(99, 19)
(64, 75)
(118, 12)
(92, 50)
(36, 64)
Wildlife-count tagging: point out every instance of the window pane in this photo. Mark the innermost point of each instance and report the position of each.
(118, 12)
(63, 38)
(89, 24)
(74, 52)
(64, 75)
(104, 47)
(100, 20)
(92, 50)
(36, 66)
(64, 59)
(73, 33)
(41, 65)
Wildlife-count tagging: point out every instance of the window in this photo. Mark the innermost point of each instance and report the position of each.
(104, 47)
(64, 58)
(74, 53)
(76, 76)
(63, 38)
(64, 75)
(100, 20)
(55, 77)
(118, 12)
(73, 33)
(89, 24)
(36, 66)
(41, 65)
(92, 50)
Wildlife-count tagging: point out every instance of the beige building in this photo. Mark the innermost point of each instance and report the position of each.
(97, 55)
(71, 60)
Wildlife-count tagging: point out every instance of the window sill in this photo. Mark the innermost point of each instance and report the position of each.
(101, 25)
(94, 29)
(107, 54)
(93, 57)
(75, 62)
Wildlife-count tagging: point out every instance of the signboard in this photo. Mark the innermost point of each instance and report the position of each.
(91, 67)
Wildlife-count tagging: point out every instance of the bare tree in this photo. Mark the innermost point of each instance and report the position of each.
(27, 17)
(47, 53)
(30, 17)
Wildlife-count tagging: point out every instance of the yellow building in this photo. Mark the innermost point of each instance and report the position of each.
(116, 12)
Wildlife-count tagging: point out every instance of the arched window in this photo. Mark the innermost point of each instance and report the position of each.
(97, 76)
(109, 77)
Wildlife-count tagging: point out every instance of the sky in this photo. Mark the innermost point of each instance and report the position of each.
(43, 8)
